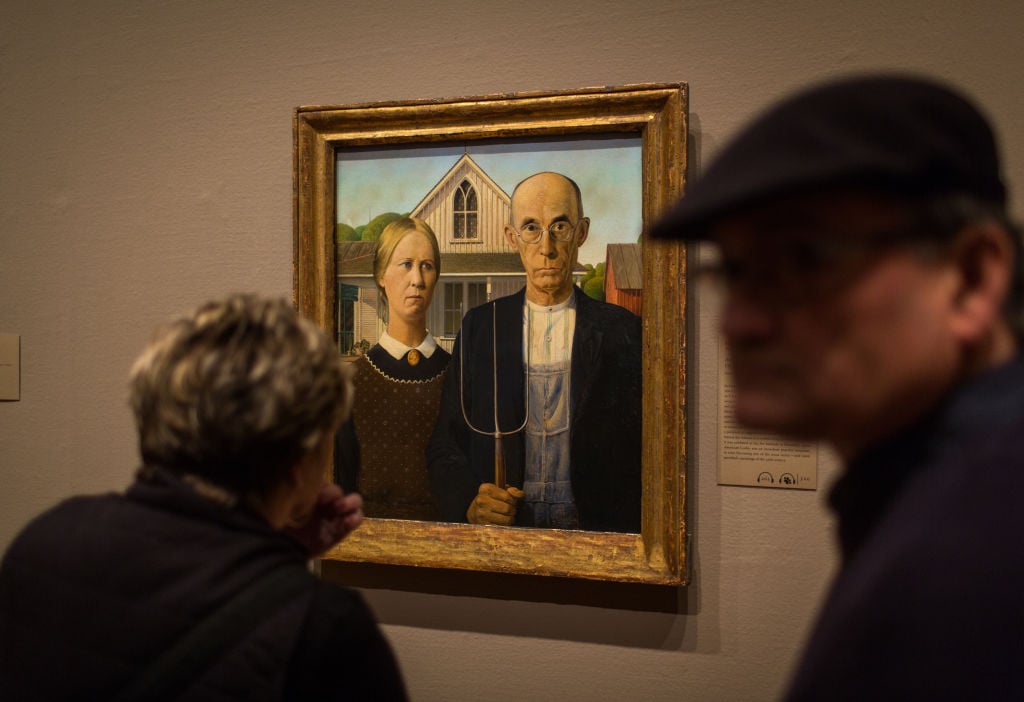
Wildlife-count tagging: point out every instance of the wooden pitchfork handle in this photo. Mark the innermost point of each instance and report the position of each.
(500, 478)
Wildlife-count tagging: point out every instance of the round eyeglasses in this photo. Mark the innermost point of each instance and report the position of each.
(802, 269)
(561, 230)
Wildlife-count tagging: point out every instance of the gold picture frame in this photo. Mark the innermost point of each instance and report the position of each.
(658, 114)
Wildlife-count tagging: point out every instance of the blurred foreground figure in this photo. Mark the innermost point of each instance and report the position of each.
(872, 297)
(193, 584)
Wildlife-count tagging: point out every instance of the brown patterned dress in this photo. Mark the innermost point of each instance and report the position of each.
(380, 452)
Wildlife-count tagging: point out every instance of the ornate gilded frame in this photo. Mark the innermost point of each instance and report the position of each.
(658, 112)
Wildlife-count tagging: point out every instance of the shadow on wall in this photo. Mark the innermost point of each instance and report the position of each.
(507, 605)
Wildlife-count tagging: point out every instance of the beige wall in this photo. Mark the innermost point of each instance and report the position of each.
(145, 166)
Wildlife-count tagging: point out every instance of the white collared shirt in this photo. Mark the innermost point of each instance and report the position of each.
(548, 331)
(397, 350)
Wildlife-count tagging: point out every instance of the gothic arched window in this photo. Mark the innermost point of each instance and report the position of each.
(465, 212)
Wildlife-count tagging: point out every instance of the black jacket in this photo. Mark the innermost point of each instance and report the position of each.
(605, 414)
(929, 601)
(94, 590)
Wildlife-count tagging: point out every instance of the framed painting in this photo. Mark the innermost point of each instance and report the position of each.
(454, 164)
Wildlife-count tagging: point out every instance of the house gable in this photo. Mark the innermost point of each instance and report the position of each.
(482, 227)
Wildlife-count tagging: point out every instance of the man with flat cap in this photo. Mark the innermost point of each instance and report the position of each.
(555, 371)
(872, 297)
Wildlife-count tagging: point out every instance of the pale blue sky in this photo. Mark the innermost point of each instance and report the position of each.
(396, 179)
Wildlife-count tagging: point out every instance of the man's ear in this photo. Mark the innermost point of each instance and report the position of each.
(584, 230)
(985, 258)
(510, 237)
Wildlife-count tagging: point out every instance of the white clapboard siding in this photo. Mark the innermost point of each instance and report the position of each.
(367, 322)
(500, 287)
(437, 209)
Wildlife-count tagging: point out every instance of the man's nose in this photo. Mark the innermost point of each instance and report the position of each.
(546, 244)
(746, 317)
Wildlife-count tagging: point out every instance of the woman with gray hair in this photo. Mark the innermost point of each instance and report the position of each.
(193, 583)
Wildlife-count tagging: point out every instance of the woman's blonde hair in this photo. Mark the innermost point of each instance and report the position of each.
(389, 238)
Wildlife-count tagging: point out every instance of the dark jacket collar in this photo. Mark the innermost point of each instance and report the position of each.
(987, 402)
(164, 489)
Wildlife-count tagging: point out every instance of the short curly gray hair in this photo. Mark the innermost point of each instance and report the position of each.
(237, 392)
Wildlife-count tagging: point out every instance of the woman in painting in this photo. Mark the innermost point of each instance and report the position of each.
(380, 451)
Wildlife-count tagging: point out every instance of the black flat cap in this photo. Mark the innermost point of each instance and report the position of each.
(897, 135)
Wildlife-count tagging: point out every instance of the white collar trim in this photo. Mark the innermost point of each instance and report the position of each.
(397, 350)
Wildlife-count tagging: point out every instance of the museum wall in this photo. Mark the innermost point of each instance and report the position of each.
(146, 166)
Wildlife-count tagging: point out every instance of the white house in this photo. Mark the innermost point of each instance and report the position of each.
(467, 211)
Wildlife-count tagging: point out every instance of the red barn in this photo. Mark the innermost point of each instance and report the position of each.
(624, 276)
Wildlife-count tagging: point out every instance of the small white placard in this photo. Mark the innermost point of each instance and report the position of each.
(754, 458)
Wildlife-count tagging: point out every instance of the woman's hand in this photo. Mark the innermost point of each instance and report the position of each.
(335, 515)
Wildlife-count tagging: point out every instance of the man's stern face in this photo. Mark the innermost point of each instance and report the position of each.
(835, 331)
(544, 200)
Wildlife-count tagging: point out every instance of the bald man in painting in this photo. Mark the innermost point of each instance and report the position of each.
(568, 383)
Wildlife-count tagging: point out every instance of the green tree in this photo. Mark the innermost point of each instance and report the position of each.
(345, 232)
(592, 281)
(595, 288)
(587, 275)
(377, 224)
